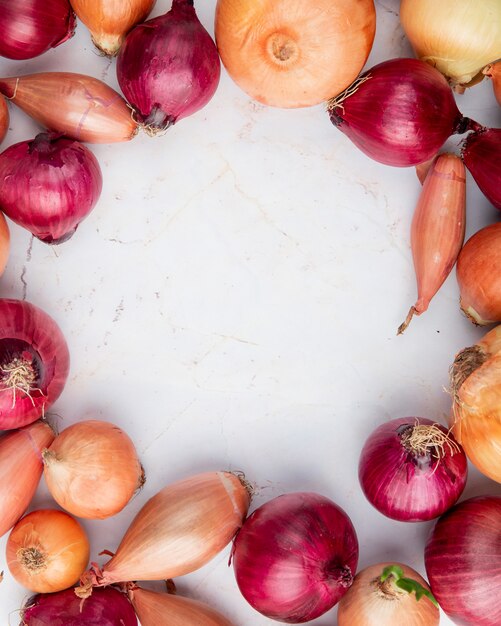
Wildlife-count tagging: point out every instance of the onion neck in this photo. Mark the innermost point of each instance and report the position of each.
(392, 584)
(465, 363)
(465, 124)
(426, 442)
(340, 574)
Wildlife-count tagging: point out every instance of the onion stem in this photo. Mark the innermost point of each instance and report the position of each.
(395, 575)
(422, 438)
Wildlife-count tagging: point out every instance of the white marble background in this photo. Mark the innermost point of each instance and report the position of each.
(232, 302)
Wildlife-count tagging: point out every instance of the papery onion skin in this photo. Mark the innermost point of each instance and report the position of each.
(47, 551)
(404, 484)
(29, 28)
(168, 68)
(92, 469)
(179, 529)
(399, 113)
(369, 603)
(458, 37)
(21, 469)
(481, 154)
(4, 118)
(478, 273)
(295, 556)
(30, 338)
(49, 185)
(78, 106)
(463, 562)
(294, 53)
(476, 411)
(110, 20)
(106, 607)
(4, 243)
(163, 609)
(494, 71)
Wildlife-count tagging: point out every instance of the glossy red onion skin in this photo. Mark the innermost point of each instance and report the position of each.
(463, 562)
(168, 68)
(29, 28)
(402, 114)
(27, 331)
(404, 486)
(49, 185)
(482, 156)
(291, 554)
(105, 607)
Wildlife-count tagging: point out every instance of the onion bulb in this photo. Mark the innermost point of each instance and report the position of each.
(476, 412)
(478, 274)
(47, 551)
(388, 594)
(4, 118)
(458, 37)
(494, 71)
(481, 152)
(4, 243)
(294, 53)
(92, 469)
(110, 20)
(165, 609)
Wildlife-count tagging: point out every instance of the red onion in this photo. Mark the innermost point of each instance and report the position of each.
(463, 562)
(168, 67)
(30, 27)
(295, 557)
(49, 185)
(412, 469)
(34, 363)
(399, 112)
(482, 156)
(106, 607)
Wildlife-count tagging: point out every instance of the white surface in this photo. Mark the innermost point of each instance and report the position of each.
(232, 302)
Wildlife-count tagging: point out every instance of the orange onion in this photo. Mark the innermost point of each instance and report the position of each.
(4, 243)
(493, 70)
(476, 411)
(438, 228)
(478, 274)
(92, 469)
(390, 599)
(20, 469)
(110, 20)
(47, 551)
(78, 106)
(165, 609)
(177, 531)
(294, 53)
(4, 118)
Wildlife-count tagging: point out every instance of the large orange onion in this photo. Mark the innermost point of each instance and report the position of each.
(110, 20)
(294, 53)
(4, 243)
(476, 410)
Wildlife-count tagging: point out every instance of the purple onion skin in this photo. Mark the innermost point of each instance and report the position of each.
(403, 485)
(402, 114)
(295, 557)
(29, 28)
(168, 68)
(463, 562)
(482, 156)
(105, 607)
(49, 185)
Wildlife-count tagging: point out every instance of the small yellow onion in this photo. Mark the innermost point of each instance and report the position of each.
(458, 37)
(494, 71)
(164, 609)
(92, 469)
(4, 118)
(4, 243)
(47, 551)
(178, 530)
(110, 20)
(371, 602)
(294, 53)
(476, 411)
(21, 469)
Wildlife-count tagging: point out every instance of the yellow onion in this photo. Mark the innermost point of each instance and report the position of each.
(165, 609)
(4, 118)
(476, 410)
(458, 37)
(110, 20)
(294, 53)
(92, 469)
(177, 531)
(4, 243)
(493, 71)
(21, 469)
(47, 551)
(371, 601)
